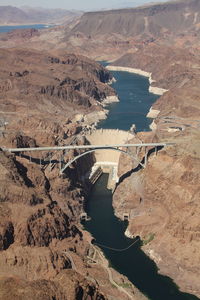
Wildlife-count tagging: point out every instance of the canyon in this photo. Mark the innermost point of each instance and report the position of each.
(48, 89)
(48, 100)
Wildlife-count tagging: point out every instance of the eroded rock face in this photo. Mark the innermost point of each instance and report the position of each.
(45, 225)
(21, 141)
(21, 289)
(53, 88)
(38, 240)
(6, 235)
(149, 20)
(57, 79)
(44, 290)
(43, 247)
(163, 201)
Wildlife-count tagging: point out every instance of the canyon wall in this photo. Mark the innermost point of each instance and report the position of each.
(45, 253)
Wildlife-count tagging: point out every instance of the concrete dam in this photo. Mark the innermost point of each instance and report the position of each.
(106, 161)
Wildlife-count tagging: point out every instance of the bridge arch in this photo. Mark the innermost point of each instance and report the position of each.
(93, 150)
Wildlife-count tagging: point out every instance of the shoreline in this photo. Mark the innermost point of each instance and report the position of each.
(153, 113)
(152, 89)
(27, 24)
(97, 116)
(109, 100)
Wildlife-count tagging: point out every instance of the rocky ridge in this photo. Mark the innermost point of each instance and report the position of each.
(33, 84)
(10, 15)
(153, 20)
(45, 253)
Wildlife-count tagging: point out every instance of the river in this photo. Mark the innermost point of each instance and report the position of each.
(135, 101)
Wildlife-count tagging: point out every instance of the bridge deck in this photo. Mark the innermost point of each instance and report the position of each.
(70, 147)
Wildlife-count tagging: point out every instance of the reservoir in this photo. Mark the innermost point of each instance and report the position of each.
(13, 27)
(135, 101)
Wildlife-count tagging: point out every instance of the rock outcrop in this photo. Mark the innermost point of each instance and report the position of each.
(153, 20)
(163, 203)
(45, 99)
(57, 86)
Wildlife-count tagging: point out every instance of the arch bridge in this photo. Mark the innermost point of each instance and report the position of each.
(122, 148)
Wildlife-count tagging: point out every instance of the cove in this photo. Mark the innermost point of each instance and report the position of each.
(109, 230)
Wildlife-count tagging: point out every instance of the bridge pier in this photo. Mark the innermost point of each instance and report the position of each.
(145, 156)
(156, 151)
(137, 150)
(60, 162)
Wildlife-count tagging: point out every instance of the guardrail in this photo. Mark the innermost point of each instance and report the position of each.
(70, 147)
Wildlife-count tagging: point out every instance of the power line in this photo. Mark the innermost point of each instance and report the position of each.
(117, 250)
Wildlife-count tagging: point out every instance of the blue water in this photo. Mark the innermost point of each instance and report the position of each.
(10, 28)
(135, 102)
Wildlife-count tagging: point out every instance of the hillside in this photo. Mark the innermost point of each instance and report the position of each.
(154, 20)
(107, 35)
(31, 81)
(44, 251)
(27, 15)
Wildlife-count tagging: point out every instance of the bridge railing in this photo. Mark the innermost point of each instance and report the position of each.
(71, 147)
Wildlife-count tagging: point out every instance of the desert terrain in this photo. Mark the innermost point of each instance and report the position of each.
(46, 83)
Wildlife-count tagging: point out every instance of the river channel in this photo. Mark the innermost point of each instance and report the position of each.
(135, 101)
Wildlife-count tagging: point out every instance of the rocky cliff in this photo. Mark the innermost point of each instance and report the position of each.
(44, 92)
(162, 200)
(45, 253)
(153, 20)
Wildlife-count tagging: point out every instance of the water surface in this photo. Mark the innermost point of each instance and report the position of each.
(13, 27)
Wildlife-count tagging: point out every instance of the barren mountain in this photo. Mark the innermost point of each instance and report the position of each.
(110, 34)
(155, 20)
(28, 15)
(9, 14)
